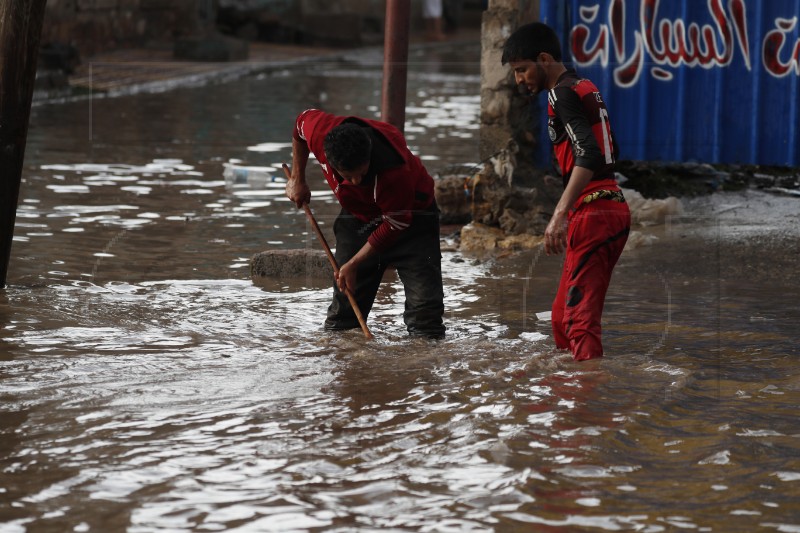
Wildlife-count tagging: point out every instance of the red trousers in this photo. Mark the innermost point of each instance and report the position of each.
(596, 236)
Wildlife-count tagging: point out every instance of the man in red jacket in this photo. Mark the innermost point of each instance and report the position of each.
(591, 221)
(388, 217)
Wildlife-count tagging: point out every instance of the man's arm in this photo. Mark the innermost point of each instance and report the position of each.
(347, 272)
(297, 189)
(555, 235)
(588, 159)
(395, 198)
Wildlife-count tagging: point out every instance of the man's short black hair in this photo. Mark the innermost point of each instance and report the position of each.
(347, 146)
(530, 40)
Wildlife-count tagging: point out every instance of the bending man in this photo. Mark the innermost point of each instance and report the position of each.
(389, 215)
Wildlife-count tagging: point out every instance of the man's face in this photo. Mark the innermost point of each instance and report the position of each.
(355, 176)
(530, 75)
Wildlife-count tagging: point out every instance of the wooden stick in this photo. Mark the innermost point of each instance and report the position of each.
(332, 260)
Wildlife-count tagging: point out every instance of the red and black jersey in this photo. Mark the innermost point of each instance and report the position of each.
(400, 185)
(580, 129)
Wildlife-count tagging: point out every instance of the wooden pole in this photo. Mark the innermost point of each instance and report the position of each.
(20, 33)
(395, 62)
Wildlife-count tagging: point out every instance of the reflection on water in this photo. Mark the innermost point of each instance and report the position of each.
(147, 384)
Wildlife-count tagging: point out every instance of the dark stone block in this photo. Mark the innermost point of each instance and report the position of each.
(59, 56)
(336, 29)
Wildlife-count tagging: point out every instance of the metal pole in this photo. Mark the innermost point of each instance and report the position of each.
(395, 62)
(20, 33)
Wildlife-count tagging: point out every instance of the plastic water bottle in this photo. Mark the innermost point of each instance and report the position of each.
(255, 177)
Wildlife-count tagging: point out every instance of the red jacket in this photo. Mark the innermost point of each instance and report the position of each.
(395, 194)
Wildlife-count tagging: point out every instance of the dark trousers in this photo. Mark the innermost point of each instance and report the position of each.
(418, 260)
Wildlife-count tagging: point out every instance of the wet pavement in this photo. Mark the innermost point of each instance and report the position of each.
(143, 69)
(154, 68)
(757, 231)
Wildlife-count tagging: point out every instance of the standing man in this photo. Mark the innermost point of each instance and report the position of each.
(432, 12)
(591, 220)
(389, 215)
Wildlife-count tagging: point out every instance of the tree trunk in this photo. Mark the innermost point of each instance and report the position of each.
(20, 33)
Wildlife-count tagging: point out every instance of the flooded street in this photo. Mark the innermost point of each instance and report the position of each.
(148, 384)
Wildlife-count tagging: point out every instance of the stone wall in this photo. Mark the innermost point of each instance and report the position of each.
(509, 196)
(93, 26)
(506, 119)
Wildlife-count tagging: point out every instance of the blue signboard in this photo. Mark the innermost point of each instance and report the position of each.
(705, 80)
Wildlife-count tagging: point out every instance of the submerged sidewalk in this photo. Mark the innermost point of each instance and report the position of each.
(141, 69)
(134, 70)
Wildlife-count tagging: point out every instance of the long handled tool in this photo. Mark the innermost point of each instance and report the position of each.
(332, 259)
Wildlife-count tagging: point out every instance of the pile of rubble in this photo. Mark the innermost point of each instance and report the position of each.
(660, 180)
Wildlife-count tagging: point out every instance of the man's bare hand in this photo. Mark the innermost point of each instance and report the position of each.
(346, 279)
(297, 191)
(555, 235)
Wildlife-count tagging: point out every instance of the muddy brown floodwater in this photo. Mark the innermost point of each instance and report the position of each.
(147, 384)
